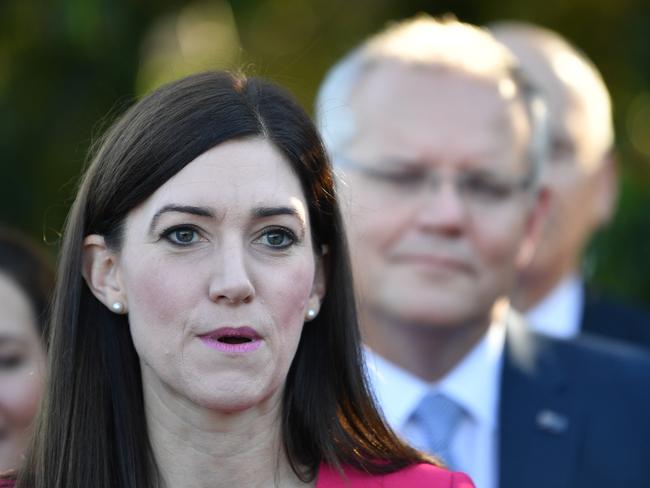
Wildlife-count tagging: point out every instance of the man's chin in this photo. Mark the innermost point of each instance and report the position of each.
(434, 314)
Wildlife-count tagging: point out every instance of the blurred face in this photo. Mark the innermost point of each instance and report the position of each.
(437, 212)
(218, 270)
(579, 175)
(22, 361)
(582, 186)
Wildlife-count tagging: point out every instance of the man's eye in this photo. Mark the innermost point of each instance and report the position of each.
(484, 189)
(278, 238)
(562, 150)
(181, 235)
(401, 179)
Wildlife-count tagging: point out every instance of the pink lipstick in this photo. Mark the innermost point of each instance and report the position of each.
(232, 339)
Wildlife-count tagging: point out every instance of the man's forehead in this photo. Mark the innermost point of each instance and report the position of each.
(397, 72)
(410, 111)
(413, 89)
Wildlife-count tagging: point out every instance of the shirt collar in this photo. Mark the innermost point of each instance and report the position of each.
(474, 382)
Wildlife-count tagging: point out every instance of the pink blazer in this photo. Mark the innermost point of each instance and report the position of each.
(416, 476)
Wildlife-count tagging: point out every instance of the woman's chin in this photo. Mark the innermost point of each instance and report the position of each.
(231, 402)
(10, 456)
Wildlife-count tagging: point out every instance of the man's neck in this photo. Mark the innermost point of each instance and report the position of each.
(429, 351)
(559, 313)
(531, 290)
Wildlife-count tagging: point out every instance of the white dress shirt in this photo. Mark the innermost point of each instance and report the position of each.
(474, 384)
(559, 314)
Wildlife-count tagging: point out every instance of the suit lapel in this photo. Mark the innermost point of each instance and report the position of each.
(538, 439)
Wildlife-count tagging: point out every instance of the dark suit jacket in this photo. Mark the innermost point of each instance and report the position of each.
(573, 414)
(605, 316)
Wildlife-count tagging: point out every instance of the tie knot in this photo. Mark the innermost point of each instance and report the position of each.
(438, 416)
(441, 407)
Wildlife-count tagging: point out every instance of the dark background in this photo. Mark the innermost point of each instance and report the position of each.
(69, 67)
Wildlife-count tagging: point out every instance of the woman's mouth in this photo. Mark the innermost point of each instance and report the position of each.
(232, 339)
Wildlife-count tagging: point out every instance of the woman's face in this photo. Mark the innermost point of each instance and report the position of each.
(217, 270)
(22, 361)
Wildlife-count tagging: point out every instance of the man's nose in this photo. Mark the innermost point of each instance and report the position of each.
(442, 207)
(231, 282)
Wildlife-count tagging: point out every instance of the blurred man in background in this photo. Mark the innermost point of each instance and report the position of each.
(438, 145)
(581, 175)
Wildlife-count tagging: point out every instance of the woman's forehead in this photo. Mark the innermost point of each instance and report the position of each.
(236, 176)
(17, 317)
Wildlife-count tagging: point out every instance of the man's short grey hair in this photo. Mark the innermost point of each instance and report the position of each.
(426, 41)
(565, 66)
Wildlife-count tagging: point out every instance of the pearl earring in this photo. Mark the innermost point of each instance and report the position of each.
(117, 307)
(311, 313)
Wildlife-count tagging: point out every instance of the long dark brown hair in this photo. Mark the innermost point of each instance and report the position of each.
(91, 430)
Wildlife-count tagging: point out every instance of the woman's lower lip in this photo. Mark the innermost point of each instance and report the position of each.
(240, 348)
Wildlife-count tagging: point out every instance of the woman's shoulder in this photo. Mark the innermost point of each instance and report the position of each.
(415, 476)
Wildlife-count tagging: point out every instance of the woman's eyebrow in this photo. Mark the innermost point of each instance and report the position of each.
(261, 212)
(188, 209)
(12, 339)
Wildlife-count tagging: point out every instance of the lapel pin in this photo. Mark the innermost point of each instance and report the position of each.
(552, 422)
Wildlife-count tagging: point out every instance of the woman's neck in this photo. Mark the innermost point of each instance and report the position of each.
(201, 448)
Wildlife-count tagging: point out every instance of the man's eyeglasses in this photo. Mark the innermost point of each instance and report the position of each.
(478, 188)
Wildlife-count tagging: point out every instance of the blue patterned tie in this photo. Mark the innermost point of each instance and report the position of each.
(437, 417)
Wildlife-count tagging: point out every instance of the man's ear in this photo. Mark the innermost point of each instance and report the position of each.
(102, 274)
(606, 191)
(535, 222)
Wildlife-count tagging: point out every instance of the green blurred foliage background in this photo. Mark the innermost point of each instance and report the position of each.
(68, 67)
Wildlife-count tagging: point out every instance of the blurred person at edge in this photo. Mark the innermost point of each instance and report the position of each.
(26, 280)
(203, 323)
(581, 175)
(437, 143)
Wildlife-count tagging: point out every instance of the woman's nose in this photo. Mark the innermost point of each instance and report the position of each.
(230, 281)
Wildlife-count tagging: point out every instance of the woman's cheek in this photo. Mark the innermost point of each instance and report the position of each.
(21, 396)
(158, 296)
(292, 292)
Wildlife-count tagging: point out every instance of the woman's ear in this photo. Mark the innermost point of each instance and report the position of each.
(320, 276)
(100, 269)
(319, 286)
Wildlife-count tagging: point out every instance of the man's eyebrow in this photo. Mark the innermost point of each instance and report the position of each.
(188, 209)
(399, 161)
(261, 212)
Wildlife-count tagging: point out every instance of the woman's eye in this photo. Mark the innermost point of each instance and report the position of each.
(10, 361)
(181, 236)
(278, 238)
